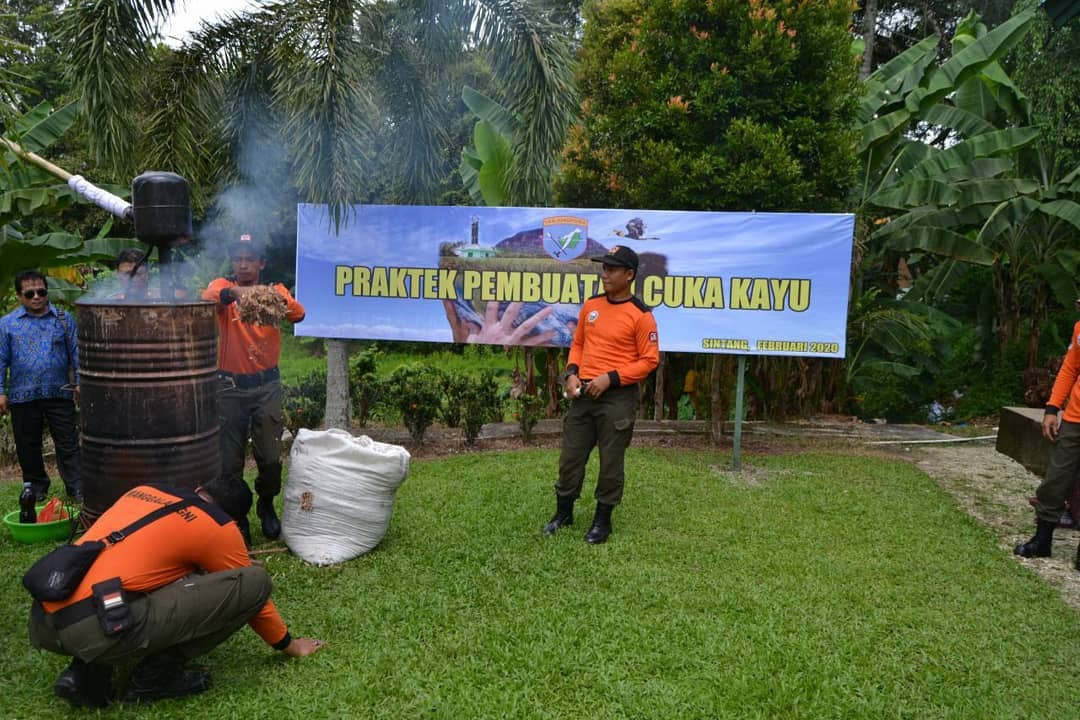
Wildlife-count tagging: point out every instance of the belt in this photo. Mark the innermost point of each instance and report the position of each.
(67, 615)
(73, 613)
(251, 380)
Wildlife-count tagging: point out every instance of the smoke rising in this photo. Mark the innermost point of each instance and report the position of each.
(259, 201)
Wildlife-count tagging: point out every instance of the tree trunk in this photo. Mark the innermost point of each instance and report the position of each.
(553, 372)
(530, 371)
(869, 28)
(337, 384)
(658, 396)
(1038, 309)
(716, 400)
(1006, 300)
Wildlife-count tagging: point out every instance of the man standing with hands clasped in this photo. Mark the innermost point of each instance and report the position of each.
(615, 347)
(39, 383)
(247, 362)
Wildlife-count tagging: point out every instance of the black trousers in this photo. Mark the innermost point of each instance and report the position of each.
(1060, 477)
(28, 426)
(252, 413)
(606, 423)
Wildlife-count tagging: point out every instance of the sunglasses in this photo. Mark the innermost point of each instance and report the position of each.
(40, 292)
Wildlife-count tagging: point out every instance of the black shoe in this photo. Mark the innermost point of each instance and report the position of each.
(245, 530)
(84, 685)
(1041, 543)
(564, 515)
(161, 677)
(271, 526)
(601, 525)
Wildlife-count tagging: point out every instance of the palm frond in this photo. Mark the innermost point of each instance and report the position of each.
(319, 85)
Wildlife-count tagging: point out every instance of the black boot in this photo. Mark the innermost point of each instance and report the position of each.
(85, 685)
(164, 676)
(271, 526)
(564, 515)
(1040, 543)
(601, 524)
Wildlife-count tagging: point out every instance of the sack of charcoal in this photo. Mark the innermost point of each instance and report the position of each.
(339, 494)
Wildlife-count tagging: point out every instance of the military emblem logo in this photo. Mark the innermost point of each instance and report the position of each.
(565, 237)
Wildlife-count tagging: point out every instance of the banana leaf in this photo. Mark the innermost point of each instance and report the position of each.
(992, 144)
(915, 194)
(18, 252)
(944, 242)
(934, 285)
(1067, 210)
(968, 124)
(41, 127)
(1006, 215)
(986, 49)
(994, 190)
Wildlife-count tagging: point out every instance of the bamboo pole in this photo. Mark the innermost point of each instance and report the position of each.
(36, 160)
(102, 198)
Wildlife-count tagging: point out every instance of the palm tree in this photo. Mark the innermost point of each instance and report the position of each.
(356, 93)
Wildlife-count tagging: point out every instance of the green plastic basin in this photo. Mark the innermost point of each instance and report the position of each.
(31, 533)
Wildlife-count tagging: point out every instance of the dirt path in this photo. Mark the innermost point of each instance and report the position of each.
(994, 489)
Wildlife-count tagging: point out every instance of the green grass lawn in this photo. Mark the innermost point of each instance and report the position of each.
(815, 585)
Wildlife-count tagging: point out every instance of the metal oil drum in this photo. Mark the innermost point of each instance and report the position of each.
(148, 406)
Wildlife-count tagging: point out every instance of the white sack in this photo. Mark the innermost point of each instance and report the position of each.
(339, 494)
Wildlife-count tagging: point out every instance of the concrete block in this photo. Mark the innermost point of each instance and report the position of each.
(1020, 437)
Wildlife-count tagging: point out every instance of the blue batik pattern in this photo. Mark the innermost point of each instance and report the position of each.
(36, 352)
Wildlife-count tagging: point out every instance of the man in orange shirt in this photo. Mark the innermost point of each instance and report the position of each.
(247, 362)
(1064, 431)
(615, 347)
(183, 584)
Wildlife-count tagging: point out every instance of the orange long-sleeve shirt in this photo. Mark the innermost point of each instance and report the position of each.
(617, 338)
(243, 348)
(199, 537)
(1066, 387)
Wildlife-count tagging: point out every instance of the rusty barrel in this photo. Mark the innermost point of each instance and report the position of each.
(148, 406)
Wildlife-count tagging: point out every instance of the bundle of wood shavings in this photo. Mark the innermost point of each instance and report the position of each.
(261, 305)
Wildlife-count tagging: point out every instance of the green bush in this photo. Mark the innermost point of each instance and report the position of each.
(456, 387)
(883, 393)
(527, 411)
(365, 387)
(303, 404)
(415, 390)
(977, 382)
(481, 403)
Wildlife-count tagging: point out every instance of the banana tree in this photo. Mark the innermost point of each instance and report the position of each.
(487, 166)
(26, 190)
(984, 193)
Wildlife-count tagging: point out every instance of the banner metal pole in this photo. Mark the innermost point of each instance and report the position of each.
(739, 381)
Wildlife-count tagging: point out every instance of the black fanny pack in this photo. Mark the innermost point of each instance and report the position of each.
(56, 575)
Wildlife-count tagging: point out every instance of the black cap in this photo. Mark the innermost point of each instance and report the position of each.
(246, 242)
(619, 255)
